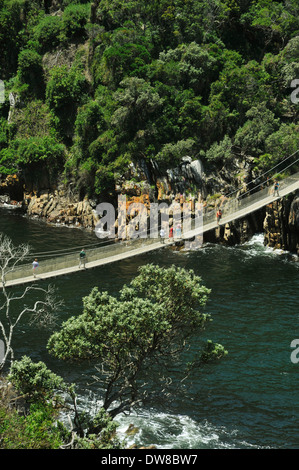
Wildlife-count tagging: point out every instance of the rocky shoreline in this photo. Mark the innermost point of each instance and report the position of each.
(279, 221)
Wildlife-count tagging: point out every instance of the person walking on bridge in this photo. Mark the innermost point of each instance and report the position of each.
(34, 267)
(276, 186)
(218, 216)
(82, 258)
(162, 235)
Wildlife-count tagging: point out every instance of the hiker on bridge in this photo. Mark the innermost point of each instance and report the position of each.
(34, 267)
(218, 216)
(275, 190)
(82, 258)
(178, 231)
(162, 235)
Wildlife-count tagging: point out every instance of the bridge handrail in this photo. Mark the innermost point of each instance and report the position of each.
(228, 206)
(71, 260)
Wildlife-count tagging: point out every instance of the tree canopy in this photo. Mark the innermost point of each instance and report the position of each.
(132, 337)
(150, 78)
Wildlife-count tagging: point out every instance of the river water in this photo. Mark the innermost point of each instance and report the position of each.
(248, 400)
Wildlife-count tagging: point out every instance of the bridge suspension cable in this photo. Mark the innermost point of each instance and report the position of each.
(265, 173)
(265, 181)
(73, 250)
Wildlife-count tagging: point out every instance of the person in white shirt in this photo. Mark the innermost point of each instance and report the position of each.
(34, 267)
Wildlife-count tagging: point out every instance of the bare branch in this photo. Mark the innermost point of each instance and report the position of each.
(42, 311)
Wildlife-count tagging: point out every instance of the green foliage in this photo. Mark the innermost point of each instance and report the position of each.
(66, 91)
(30, 71)
(34, 380)
(29, 64)
(65, 87)
(34, 152)
(8, 163)
(36, 430)
(274, 17)
(89, 125)
(47, 33)
(74, 20)
(47, 393)
(5, 133)
(220, 151)
(260, 125)
(10, 26)
(153, 318)
(101, 433)
(119, 61)
(189, 66)
(279, 146)
(171, 154)
(33, 120)
(154, 77)
(36, 149)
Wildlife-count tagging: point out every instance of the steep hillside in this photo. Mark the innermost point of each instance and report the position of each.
(156, 98)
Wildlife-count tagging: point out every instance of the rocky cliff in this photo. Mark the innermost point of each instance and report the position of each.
(281, 224)
(63, 205)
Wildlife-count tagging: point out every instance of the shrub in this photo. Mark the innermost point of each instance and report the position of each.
(74, 21)
(47, 33)
(29, 66)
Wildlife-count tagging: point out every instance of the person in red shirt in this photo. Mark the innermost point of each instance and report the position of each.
(219, 215)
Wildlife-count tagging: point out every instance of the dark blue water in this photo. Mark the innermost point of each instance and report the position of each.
(248, 400)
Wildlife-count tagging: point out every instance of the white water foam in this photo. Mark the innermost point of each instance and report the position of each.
(255, 246)
(162, 430)
(167, 431)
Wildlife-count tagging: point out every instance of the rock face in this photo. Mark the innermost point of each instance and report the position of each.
(237, 232)
(58, 207)
(11, 189)
(145, 184)
(281, 224)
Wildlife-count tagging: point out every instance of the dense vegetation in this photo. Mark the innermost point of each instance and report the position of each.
(99, 85)
(129, 340)
(92, 87)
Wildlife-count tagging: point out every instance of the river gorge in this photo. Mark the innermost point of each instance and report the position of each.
(247, 400)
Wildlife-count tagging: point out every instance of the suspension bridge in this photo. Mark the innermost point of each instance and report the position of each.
(235, 205)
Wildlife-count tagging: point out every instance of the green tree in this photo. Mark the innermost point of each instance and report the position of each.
(190, 66)
(47, 33)
(10, 27)
(30, 72)
(170, 155)
(74, 21)
(121, 60)
(36, 430)
(251, 137)
(66, 90)
(45, 395)
(278, 21)
(150, 323)
(221, 151)
(278, 146)
(89, 125)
